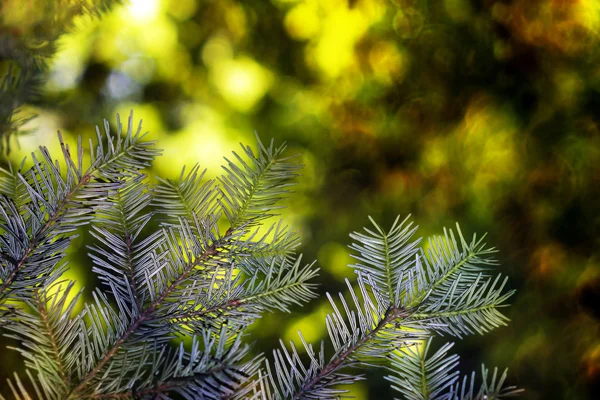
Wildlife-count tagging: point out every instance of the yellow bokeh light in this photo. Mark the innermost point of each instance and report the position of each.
(242, 82)
(204, 140)
(302, 22)
(147, 113)
(143, 10)
(458, 10)
(588, 11)
(311, 331)
(334, 52)
(42, 131)
(217, 49)
(335, 258)
(388, 62)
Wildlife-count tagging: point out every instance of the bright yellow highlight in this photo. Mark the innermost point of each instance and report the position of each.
(335, 50)
(335, 258)
(569, 87)
(204, 140)
(146, 113)
(312, 327)
(487, 146)
(143, 10)
(242, 82)
(588, 12)
(356, 391)
(302, 22)
(43, 132)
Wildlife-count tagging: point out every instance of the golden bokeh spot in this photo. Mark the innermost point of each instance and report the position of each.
(568, 88)
(217, 49)
(66, 67)
(142, 11)
(302, 22)
(568, 27)
(335, 258)
(488, 149)
(145, 112)
(334, 51)
(204, 139)
(548, 259)
(311, 331)
(356, 391)
(235, 18)
(388, 62)
(242, 82)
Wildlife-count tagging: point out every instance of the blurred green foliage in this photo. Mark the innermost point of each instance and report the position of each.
(481, 112)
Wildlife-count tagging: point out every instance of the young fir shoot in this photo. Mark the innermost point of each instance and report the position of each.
(193, 257)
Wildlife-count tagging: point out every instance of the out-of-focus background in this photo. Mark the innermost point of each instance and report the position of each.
(482, 112)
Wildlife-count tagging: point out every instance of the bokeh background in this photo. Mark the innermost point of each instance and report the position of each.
(481, 112)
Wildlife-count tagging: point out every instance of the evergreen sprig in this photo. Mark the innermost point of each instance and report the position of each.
(407, 294)
(196, 257)
(419, 377)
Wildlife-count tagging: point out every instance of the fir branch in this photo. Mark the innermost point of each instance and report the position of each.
(187, 197)
(28, 50)
(47, 332)
(445, 261)
(184, 258)
(419, 377)
(251, 191)
(475, 310)
(146, 314)
(55, 209)
(238, 301)
(370, 332)
(406, 301)
(385, 255)
(189, 276)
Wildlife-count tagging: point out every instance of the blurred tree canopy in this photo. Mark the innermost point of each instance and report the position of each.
(482, 112)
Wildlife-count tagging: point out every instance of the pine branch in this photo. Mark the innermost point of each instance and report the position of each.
(47, 332)
(11, 187)
(474, 310)
(146, 314)
(186, 198)
(385, 255)
(277, 244)
(180, 266)
(55, 209)
(238, 301)
(117, 228)
(492, 389)
(251, 191)
(369, 333)
(405, 301)
(419, 377)
(192, 275)
(444, 262)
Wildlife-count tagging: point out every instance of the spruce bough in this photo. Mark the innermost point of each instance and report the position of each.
(193, 257)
